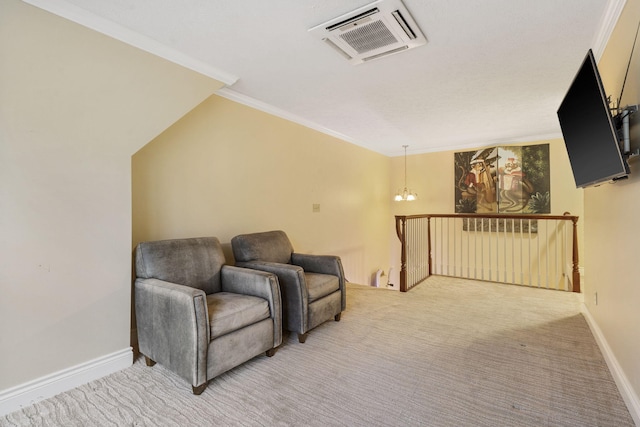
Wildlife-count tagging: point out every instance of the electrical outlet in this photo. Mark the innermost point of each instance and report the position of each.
(315, 207)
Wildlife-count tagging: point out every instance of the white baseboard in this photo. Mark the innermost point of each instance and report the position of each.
(631, 399)
(31, 392)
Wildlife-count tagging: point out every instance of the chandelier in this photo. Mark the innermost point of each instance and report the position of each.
(405, 194)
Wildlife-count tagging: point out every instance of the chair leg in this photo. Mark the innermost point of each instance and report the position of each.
(337, 317)
(149, 362)
(302, 338)
(271, 352)
(197, 390)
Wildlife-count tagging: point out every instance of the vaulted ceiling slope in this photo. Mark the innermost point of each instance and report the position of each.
(492, 71)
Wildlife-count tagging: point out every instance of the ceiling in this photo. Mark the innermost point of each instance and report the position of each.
(492, 72)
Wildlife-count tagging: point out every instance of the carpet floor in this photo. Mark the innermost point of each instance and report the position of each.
(450, 352)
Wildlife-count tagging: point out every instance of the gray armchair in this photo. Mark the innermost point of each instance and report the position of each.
(312, 286)
(198, 317)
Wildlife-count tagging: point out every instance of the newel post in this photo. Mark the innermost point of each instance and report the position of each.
(401, 222)
(576, 268)
(429, 254)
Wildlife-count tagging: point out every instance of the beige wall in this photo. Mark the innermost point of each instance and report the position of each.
(74, 107)
(612, 245)
(431, 175)
(226, 169)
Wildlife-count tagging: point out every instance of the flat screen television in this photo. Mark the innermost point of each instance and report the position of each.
(590, 131)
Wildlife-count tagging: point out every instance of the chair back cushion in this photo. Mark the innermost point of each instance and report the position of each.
(192, 262)
(270, 246)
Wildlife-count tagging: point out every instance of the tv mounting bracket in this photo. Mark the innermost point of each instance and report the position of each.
(623, 115)
(626, 141)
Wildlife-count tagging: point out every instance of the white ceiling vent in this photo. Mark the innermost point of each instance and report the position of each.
(381, 28)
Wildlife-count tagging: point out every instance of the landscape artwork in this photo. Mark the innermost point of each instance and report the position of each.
(506, 180)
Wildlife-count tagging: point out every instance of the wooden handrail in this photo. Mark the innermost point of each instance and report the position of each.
(565, 216)
(401, 232)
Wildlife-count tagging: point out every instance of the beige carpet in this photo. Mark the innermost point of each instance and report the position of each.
(450, 352)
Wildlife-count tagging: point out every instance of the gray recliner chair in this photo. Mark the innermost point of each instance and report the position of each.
(312, 286)
(198, 317)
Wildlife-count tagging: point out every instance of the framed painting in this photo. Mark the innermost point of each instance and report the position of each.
(508, 180)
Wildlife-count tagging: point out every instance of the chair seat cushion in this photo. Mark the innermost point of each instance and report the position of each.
(229, 312)
(320, 285)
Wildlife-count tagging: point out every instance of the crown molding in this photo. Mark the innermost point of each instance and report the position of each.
(232, 95)
(109, 28)
(606, 26)
(68, 11)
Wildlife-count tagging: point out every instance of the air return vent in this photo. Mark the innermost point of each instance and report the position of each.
(379, 29)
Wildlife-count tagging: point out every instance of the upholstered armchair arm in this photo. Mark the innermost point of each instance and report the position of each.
(173, 327)
(293, 290)
(324, 264)
(259, 284)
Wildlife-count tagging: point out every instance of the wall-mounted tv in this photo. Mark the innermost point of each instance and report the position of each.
(589, 129)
